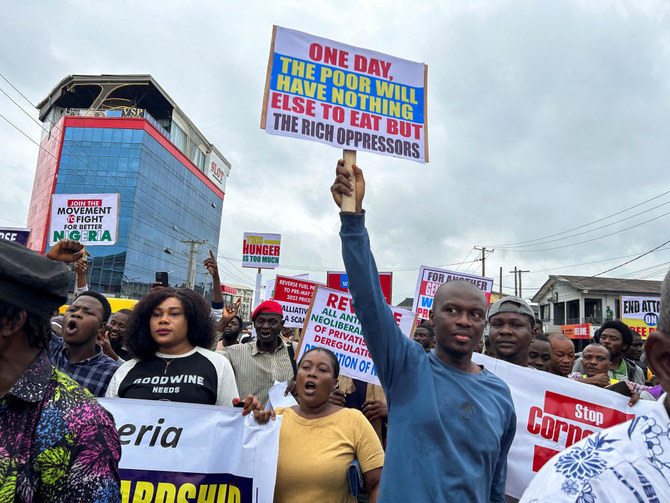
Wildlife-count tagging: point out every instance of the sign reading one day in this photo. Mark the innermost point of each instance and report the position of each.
(16, 234)
(337, 280)
(171, 452)
(553, 413)
(430, 278)
(347, 97)
(640, 313)
(331, 323)
(294, 295)
(261, 250)
(89, 218)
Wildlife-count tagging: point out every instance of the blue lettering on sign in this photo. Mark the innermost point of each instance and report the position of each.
(427, 302)
(651, 319)
(344, 281)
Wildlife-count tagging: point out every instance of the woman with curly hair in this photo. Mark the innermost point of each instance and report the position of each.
(169, 331)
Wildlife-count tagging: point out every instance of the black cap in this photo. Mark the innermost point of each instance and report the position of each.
(30, 281)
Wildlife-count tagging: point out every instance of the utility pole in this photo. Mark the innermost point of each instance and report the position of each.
(192, 262)
(483, 259)
(501, 282)
(520, 271)
(516, 285)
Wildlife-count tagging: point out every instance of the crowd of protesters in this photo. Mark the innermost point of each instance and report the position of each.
(438, 429)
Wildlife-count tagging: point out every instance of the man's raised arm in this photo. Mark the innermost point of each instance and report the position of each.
(384, 339)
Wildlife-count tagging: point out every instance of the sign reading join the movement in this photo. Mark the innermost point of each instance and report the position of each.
(430, 278)
(552, 413)
(172, 452)
(261, 250)
(347, 97)
(16, 234)
(294, 295)
(640, 313)
(331, 323)
(338, 280)
(89, 218)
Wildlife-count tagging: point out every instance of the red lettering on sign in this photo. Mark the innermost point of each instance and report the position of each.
(541, 455)
(583, 412)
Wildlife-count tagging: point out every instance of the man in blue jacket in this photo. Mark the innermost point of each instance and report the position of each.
(451, 422)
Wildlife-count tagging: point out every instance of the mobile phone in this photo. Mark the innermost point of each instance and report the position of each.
(162, 277)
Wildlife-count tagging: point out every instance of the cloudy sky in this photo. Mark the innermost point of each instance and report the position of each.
(549, 126)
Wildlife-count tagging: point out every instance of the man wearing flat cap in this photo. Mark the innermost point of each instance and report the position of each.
(258, 364)
(511, 330)
(57, 443)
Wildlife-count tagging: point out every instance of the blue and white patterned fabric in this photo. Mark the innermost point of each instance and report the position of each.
(628, 462)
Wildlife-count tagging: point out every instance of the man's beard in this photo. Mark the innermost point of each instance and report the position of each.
(232, 336)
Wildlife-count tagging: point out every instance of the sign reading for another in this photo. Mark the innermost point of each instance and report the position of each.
(430, 278)
(89, 218)
(261, 250)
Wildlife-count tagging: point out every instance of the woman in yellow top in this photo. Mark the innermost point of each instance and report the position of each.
(319, 440)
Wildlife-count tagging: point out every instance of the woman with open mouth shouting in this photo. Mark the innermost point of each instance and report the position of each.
(168, 333)
(319, 440)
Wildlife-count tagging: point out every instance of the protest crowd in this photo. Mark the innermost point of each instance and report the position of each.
(438, 429)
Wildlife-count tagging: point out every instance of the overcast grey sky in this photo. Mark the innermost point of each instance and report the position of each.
(542, 117)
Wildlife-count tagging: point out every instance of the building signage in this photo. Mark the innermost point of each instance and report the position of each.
(217, 170)
(17, 234)
(261, 250)
(91, 219)
(347, 97)
(640, 313)
(578, 331)
(430, 278)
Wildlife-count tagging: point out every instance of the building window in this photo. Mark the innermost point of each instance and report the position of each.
(545, 312)
(559, 313)
(593, 311)
(199, 159)
(178, 137)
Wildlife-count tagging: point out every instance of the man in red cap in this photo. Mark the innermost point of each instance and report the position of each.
(258, 364)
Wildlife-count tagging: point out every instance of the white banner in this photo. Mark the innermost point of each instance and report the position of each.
(174, 452)
(89, 218)
(331, 323)
(552, 413)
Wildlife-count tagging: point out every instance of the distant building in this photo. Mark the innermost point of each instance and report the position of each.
(573, 300)
(245, 293)
(123, 134)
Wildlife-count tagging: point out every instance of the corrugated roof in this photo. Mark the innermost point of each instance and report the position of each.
(616, 285)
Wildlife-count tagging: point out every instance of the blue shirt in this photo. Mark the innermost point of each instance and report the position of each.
(94, 373)
(449, 431)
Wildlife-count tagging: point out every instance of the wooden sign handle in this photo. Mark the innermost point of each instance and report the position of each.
(349, 202)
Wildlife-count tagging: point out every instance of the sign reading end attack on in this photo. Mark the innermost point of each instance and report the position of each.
(344, 96)
(641, 313)
(261, 251)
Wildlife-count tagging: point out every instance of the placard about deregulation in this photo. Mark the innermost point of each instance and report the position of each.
(172, 452)
(347, 97)
(91, 219)
(294, 296)
(430, 278)
(261, 250)
(640, 313)
(331, 323)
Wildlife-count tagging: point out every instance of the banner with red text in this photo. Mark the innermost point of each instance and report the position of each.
(347, 97)
(430, 278)
(338, 280)
(294, 296)
(172, 452)
(552, 413)
(332, 324)
(89, 218)
(640, 313)
(577, 331)
(261, 250)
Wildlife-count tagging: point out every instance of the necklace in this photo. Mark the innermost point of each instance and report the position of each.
(167, 364)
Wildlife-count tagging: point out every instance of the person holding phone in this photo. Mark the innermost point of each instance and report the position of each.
(168, 333)
(327, 436)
